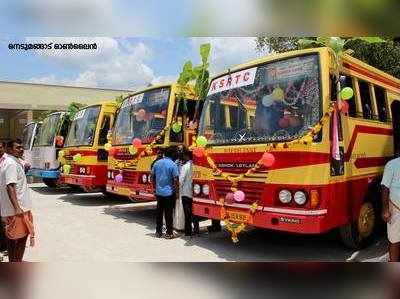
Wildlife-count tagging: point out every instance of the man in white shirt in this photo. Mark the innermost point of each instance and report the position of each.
(14, 195)
(391, 206)
(186, 191)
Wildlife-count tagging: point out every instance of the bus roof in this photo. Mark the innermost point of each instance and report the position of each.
(350, 64)
(172, 85)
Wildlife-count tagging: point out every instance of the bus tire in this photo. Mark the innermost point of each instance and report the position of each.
(51, 183)
(360, 233)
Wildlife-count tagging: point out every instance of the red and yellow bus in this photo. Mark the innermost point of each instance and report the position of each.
(84, 155)
(149, 116)
(325, 157)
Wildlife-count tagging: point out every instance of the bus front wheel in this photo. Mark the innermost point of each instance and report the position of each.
(359, 234)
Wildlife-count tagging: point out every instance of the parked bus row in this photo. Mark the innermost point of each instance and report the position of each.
(279, 151)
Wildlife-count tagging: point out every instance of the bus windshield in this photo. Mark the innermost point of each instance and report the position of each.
(273, 102)
(141, 116)
(48, 130)
(27, 136)
(83, 127)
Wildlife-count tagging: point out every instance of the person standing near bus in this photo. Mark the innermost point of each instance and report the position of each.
(3, 244)
(15, 202)
(166, 184)
(186, 191)
(391, 206)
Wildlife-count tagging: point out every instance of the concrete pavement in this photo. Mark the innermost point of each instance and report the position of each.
(82, 227)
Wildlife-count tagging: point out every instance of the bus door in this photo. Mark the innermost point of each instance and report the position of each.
(184, 112)
(106, 122)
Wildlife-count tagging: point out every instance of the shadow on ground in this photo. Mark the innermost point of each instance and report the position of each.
(92, 199)
(44, 190)
(256, 244)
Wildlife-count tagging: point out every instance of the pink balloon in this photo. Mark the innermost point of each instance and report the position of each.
(239, 196)
(229, 197)
(198, 151)
(118, 178)
(268, 159)
(137, 142)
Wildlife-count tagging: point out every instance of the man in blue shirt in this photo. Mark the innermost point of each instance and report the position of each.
(166, 184)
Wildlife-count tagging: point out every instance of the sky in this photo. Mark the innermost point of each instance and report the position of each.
(118, 63)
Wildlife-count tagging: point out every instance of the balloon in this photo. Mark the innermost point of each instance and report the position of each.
(201, 141)
(132, 150)
(136, 142)
(283, 122)
(61, 154)
(277, 94)
(66, 168)
(198, 151)
(177, 127)
(118, 178)
(346, 93)
(77, 158)
(267, 100)
(59, 140)
(107, 146)
(239, 196)
(268, 159)
(229, 197)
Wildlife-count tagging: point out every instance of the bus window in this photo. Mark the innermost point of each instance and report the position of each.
(381, 103)
(105, 126)
(365, 99)
(348, 82)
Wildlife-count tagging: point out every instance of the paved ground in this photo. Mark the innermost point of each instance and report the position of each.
(90, 227)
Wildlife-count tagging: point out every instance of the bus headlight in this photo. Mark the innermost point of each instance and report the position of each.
(144, 178)
(149, 178)
(109, 174)
(300, 198)
(82, 170)
(196, 189)
(285, 196)
(206, 189)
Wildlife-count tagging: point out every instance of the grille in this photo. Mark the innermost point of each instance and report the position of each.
(128, 177)
(253, 191)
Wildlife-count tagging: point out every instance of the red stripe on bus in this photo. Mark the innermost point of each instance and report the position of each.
(371, 162)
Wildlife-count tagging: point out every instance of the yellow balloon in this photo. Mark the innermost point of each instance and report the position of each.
(107, 146)
(278, 94)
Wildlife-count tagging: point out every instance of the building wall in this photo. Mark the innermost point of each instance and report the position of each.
(21, 103)
(15, 95)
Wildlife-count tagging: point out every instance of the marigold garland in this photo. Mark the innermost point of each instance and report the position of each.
(233, 227)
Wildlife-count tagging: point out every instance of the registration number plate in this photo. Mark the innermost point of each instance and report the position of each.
(238, 217)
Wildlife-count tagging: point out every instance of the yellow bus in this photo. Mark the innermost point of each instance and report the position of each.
(84, 154)
(154, 118)
(297, 159)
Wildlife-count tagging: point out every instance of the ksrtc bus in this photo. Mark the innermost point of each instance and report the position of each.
(156, 117)
(48, 142)
(324, 157)
(84, 155)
